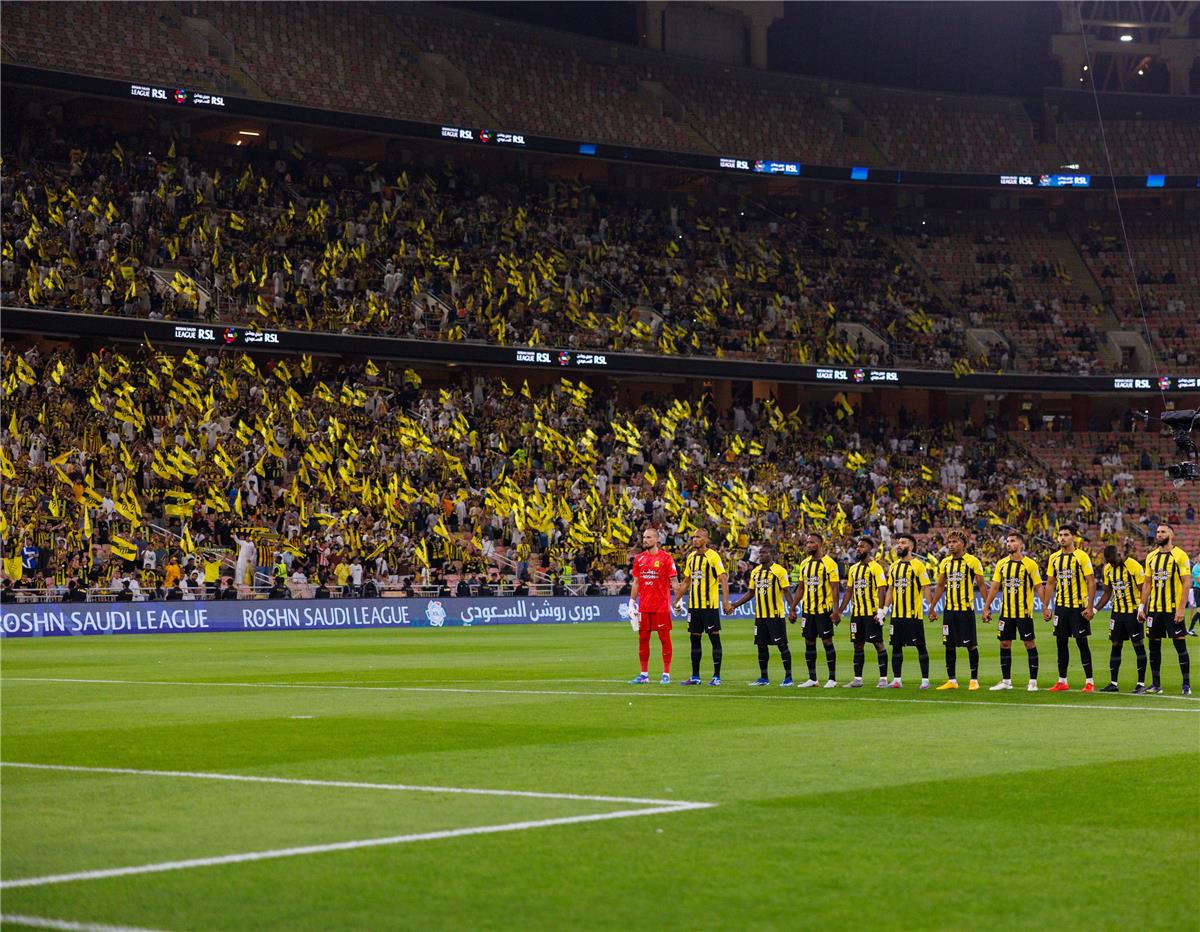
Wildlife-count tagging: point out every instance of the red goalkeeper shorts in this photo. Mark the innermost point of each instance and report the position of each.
(655, 621)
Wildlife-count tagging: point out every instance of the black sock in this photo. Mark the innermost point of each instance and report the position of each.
(715, 639)
(831, 661)
(763, 656)
(858, 660)
(1139, 651)
(883, 662)
(1114, 660)
(785, 654)
(1185, 661)
(973, 657)
(1006, 663)
(897, 660)
(810, 658)
(697, 653)
(1064, 656)
(951, 661)
(1033, 663)
(1156, 661)
(1085, 655)
(923, 660)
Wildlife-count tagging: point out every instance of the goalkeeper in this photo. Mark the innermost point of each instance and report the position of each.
(650, 603)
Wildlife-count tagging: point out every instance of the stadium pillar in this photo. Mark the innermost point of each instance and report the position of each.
(722, 392)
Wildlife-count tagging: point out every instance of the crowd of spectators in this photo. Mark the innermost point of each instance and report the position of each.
(122, 465)
(145, 228)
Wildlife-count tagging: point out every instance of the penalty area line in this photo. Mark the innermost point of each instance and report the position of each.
(275, 853)
(67, 925)
(633, 692)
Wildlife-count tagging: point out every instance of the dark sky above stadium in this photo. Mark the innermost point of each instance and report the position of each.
(977, 47)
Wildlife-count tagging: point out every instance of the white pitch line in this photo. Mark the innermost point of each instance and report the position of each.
(166, 866)
(351, 784)
(41, 922)
(633, 692)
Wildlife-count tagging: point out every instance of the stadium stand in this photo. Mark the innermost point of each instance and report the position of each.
(1165, 254)
(424, 62)
(332, 56)
(1135, 146)
(917, 132)
(1007, 275)
(135, 41)
(480, 479)
(101, 231)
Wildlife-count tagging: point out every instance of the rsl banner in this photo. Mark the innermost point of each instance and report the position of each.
(61, 620)
(53, 620)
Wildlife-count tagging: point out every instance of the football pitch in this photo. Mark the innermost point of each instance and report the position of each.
(511, 779)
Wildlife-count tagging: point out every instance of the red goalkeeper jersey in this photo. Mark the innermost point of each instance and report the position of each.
(654, 572)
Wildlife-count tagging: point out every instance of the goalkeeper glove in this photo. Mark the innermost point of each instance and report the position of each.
(635, 617)
(880, 615)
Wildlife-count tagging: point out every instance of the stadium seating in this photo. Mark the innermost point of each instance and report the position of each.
(136, 41)
(764, 117)
(1166, 255)
(367, 58)
(918, 133)
(543, 89)
(1136, 147)
(333, 56)
(1005, 273)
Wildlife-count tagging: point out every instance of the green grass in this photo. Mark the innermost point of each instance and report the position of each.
(888, 809)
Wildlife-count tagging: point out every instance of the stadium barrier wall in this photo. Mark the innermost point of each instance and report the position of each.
(63, 620)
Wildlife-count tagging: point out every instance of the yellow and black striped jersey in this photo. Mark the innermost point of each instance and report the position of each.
(863, 580)
(908, 579)
(703, 571)
(1168, 570)
(960, 574)
(817, 576)
(769, 585)
(1017, 580)
(1069, 572)
(1125, 581)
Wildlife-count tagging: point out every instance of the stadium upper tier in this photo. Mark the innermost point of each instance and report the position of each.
(421, 62)
(327, 461)
(122, 225)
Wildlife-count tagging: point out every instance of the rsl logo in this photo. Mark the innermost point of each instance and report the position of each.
(435, 614)
(564, 358)
(181, 95)
(230, 334)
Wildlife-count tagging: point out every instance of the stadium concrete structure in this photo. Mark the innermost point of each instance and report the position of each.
(430, 314)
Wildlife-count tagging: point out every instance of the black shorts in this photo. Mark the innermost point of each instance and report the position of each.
(907, 632)
(958, 629)
(768, 631)
(1124, 626)
(1070, 623)
(818, 626)
(1161, 625)
(701, 620)
(864, 628)
(1014, 629)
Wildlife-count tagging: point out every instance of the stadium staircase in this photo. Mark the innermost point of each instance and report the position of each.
(207, 40)
(658, 97)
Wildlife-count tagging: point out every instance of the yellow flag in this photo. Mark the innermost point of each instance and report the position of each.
(124, 549)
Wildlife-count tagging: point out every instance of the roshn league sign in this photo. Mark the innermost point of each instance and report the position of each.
(60, 620)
